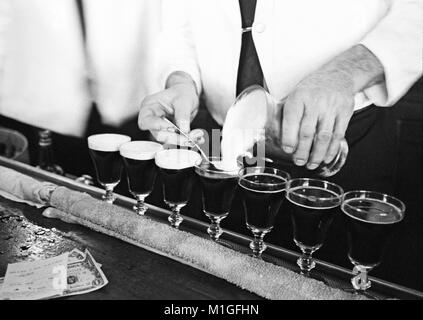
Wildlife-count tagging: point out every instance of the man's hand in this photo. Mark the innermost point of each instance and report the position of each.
(317, 112)
(178, 102)
(316, 116)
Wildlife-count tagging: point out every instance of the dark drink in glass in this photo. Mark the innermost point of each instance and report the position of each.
(370, 218)
(263, 192)
(104, 151)
(262, 203)
(177, 172)
(313, 204)
(108, 166)
(218, 184)
(138, 159)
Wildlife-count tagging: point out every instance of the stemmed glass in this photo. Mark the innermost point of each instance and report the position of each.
(138, 159)
(177, 172)
(218, 184)
(262, 196)
(104, 151)
(313, 205)
(370, 219)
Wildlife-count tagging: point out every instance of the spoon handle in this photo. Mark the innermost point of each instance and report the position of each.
(188, 137)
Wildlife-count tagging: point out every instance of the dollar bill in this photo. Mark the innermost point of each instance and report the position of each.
(76, 255)
(84, 276)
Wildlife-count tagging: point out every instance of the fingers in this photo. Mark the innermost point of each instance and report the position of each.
(343, 154)
(177, 101)
(173, 138)
(339, 130)
(292, 115)
(305, 138)
(338, 162)
(321, 142)
(151, 118)
(152, 110)
(333, 149)
(314, 126)
(183, 110)
(156, 123)
(197, 135)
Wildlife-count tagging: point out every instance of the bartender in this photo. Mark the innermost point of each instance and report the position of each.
(328, 58)
(75, 67)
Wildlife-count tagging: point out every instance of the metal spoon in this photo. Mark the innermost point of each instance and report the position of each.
(191, 141)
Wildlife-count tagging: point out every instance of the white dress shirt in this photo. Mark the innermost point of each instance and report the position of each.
(293, 38)
(43, 68)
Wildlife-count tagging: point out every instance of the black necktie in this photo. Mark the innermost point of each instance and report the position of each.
(249, 70)
(81, 15)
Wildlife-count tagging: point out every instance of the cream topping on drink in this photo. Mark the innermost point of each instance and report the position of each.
(228, 167)
(177, 159)
(107, 142)
(243, 127)
(140, 150)
(216, 170)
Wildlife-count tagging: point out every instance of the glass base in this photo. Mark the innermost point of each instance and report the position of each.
(140, 208)
(175, 218)
(306, 264)
(306, 261)
(361, 281)
(257, 245)
(214, 230)
(109, 196)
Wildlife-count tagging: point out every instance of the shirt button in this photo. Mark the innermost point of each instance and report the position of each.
(259, 27)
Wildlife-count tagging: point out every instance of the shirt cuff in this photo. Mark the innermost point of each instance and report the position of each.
(402, 62)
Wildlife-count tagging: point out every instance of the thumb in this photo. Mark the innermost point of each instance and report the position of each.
(183, 110)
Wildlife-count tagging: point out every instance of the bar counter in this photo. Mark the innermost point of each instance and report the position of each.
(137, 273)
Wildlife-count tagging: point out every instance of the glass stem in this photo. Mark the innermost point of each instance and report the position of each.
(361, 281)
(109, 196)
(140, 208)
(306, 261)
(214, 229)
(257, 245)
(175, 218)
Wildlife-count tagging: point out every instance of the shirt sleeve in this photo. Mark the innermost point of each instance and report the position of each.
(397, 41)
(176, 48)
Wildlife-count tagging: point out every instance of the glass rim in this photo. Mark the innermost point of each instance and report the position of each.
(97, 142)
(108, 134)
(230, 172)
(186, 151)
(339, 195)
(134, 142)
(285, 175)
(139, 153)
(375, 195)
